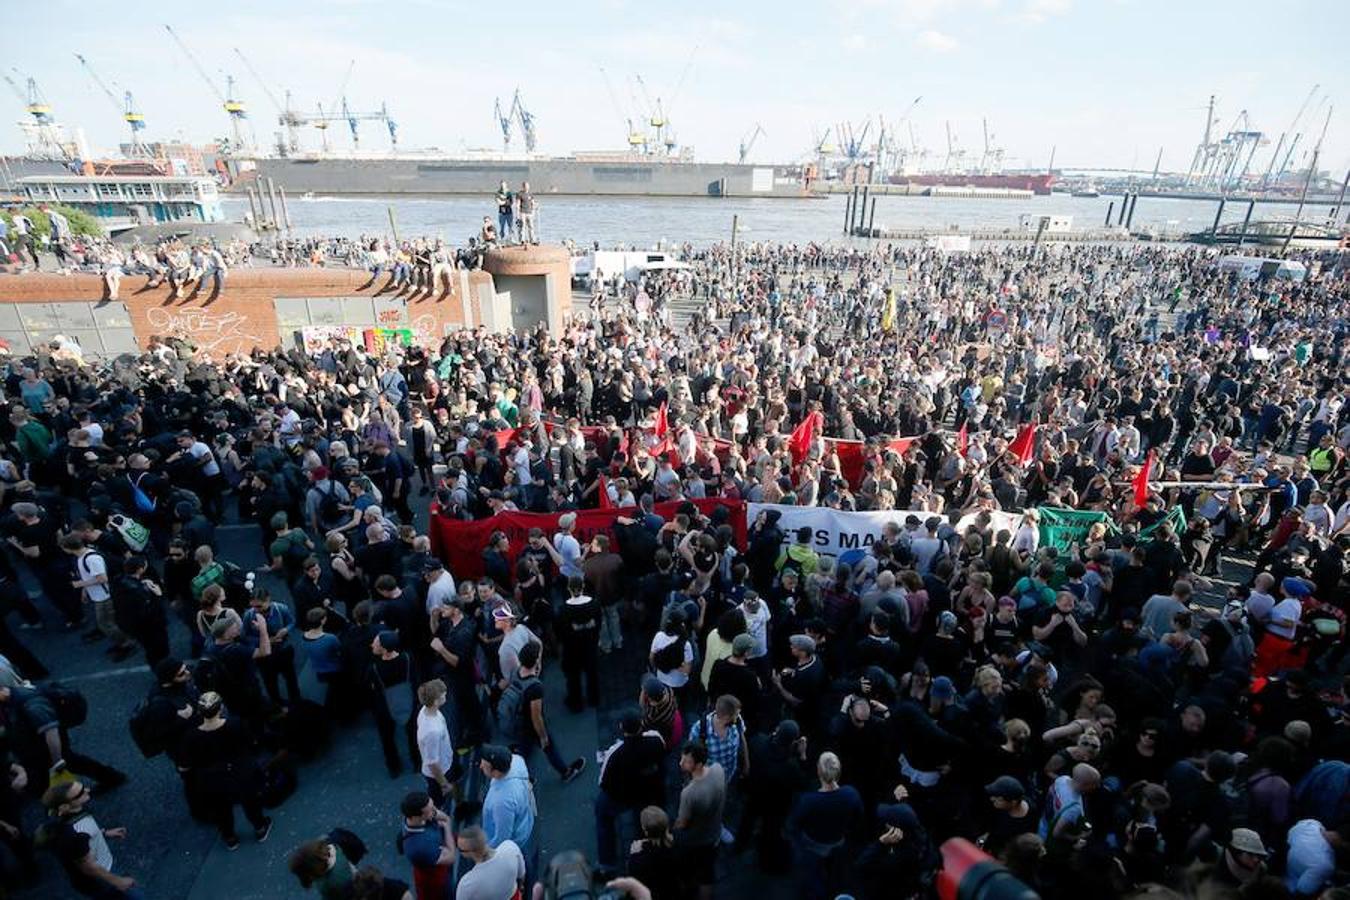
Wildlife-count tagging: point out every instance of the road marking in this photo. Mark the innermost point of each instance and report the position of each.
(109, 673)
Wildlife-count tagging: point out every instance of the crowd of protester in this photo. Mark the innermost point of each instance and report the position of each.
(1150, 706)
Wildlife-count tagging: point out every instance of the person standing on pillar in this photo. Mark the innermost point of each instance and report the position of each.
(505, 213)
(525, 221)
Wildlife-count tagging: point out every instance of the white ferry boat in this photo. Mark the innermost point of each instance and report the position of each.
(122, 202)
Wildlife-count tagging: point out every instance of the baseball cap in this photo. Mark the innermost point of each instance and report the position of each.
(431, 564)
(503, 612)
(942, 688)
(742, 644)
(497, 756)
(1244, 840)
(1005, 787)
(1295, 587)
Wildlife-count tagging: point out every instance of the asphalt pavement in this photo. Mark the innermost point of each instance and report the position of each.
(172, 856)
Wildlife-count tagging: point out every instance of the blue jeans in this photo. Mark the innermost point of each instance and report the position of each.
(607, 816)
(504, 223)
(531, 743)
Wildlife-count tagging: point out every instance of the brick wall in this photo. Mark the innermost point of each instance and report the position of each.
(244, 315)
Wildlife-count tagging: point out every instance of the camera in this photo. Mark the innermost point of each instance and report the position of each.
(570, 876)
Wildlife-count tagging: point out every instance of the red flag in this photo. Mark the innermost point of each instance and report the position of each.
(1141, 481)
(662, 423)
(799, 444)
(962, 439)
(1024, 445)
(605, 502)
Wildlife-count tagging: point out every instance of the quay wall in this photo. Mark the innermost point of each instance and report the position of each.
(262, 307)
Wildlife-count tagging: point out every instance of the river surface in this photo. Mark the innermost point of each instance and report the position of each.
(644, 222)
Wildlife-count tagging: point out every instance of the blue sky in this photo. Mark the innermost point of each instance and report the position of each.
(1108, 82)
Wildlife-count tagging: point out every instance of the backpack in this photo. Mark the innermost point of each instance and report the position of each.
(1048, 823)
(148, 728)
(139, 498)
(349, 843)
(209, 675)
(792, 564)
(671, 656)
(294, 554)
(238, 586)
(330, 508)
(72, 709)
(511, 708)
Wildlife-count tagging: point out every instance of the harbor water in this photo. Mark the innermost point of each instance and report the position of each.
(644, 222)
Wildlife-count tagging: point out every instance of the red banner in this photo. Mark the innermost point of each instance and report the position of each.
(850, 452)
(460, 544)
(851, 458)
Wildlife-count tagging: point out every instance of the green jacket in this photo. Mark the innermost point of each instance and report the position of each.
(34, 441)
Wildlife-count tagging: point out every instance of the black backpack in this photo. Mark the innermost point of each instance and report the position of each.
(511, 708)
(237, 585)
(330, 507)
(71, 708)
(152, 732)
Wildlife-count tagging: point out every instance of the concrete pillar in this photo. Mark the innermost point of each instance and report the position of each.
(539, 279)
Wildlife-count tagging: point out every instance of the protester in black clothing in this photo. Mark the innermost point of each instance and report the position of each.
(578, 630)
(392, 691)
(631, 778)
(235, 669)
(778, 771)
(735, 676)
(217, 759)
(138, 600)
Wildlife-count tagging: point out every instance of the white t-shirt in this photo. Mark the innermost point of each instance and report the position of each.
(1290, 609)
(441, 591)
(433, 742)
(89, 564)
(757, 626)
(197, 451)
(98, 844)
(495, 878)
(520, 461)
(674, 678)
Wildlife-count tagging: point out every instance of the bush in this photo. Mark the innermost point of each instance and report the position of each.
(80, 222)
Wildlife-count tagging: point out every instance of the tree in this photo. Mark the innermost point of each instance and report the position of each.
(80, 222)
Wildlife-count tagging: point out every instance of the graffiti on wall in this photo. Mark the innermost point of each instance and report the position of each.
(211, 330)
(426, 330)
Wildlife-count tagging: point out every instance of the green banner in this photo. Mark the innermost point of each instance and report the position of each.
(1175, 518)
(1061, 527)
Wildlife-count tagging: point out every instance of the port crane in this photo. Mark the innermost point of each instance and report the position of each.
(287, 117)
(852, 140)
(637, 140)
(233, 107)
(1279, 146)
(748, 142)
(354, 120)
(504, 122)
(526, 119)
(955, 155)
(44, 134)
(126, 106)
(516, 114)
(992, 159)
(656, 116)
